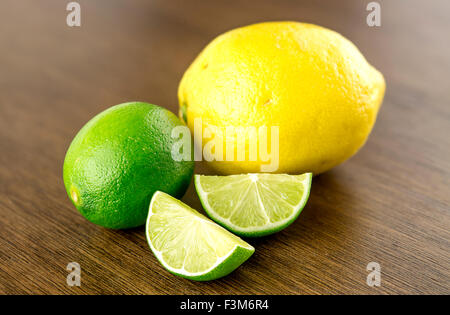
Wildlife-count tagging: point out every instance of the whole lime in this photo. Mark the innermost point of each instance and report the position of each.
(119, 159)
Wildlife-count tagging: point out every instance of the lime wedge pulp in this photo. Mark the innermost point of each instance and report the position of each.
(254, 204)
(190, 245)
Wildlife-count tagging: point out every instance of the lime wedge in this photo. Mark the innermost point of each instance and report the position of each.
(254, 204)
(190, 245)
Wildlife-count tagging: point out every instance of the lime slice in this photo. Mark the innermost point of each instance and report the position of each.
(190, 245)
(254, 204)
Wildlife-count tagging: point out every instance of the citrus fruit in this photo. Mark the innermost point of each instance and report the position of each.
(190, 245)
(253, 204)
(119, 159)
(310, 81)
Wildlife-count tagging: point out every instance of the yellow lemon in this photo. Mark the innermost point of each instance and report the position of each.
(310, 82)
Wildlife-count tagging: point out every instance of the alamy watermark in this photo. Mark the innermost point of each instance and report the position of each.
(74, 277)
(374, 17)
(231, 143)
(374, 276)
(74, 16)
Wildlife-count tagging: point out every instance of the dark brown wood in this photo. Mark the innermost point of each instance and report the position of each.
(389, 204)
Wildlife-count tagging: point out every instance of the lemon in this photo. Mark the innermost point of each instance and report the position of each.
(190, 245)
(254, 204)
(310, 81)
(119, 159)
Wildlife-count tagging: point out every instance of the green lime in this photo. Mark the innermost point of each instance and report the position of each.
(254, 204)
(119, 159)
(190, 245)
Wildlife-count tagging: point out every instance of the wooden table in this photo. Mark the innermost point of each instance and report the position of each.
(389, 204)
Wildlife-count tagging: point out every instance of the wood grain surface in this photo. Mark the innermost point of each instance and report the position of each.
(388, 204)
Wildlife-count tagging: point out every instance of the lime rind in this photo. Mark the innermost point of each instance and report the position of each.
(223, 265)
(260, 230)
